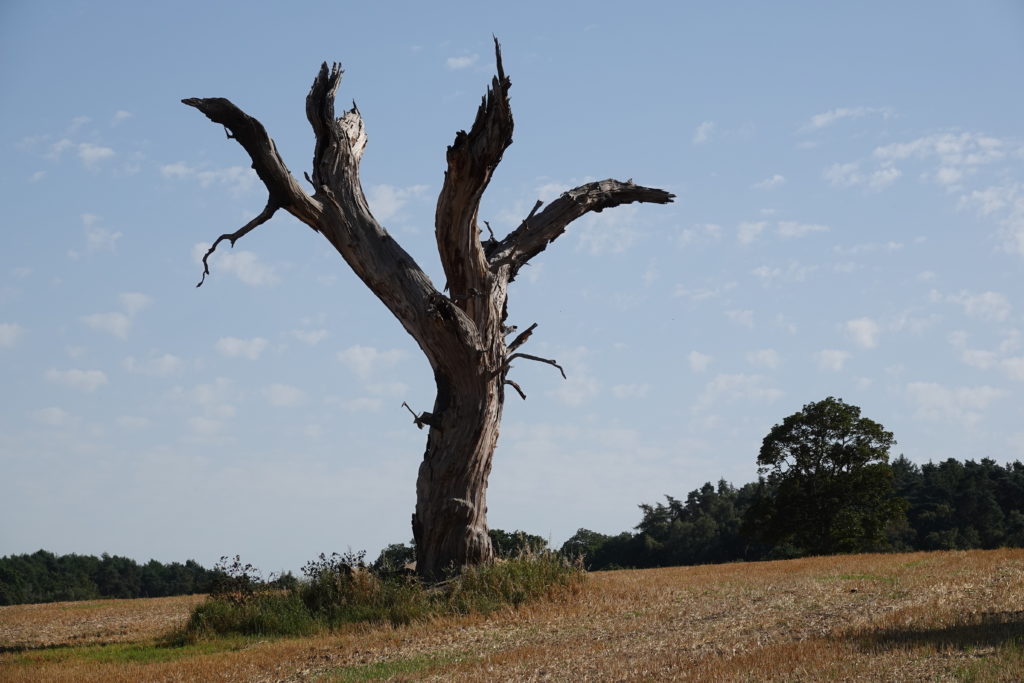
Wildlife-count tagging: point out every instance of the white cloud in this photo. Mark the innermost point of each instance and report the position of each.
(793, 229)
(91, 154)
(156, 365)
(37, 176)
(10, 333)
(830, 117)
(794, 272)
(132, 422)
(363, 404)
(364, 361)
(463, 62)
(729, 388)
(58, 148)
(52, 416)
(245, 265)
(83, 380)
(848, 175)
(699, 362)
(748, 231)
(703, 293)
(1014, 368)
(1006, 203)
(771, 183)
(608, 232)
(213, 397)
(120, 116)
(205, 426)
(96, 237)
(703, 132)
(832, 359)
(283, 395)
(630, 391)
(234, 347)
(581, 385)
(964, 404)
(700, 232)
(311, 337)
(77, 123)
(977, 358)
(133, 302)
(387, 200)
(988, 306)
(951, 149)
(763, 358)
(116, 324)
(863, 331)
(743, 318)
(550, 191)
(237, 179)
(389, 389)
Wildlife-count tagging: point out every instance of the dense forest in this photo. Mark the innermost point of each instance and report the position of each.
(45, 577)
(951, 505)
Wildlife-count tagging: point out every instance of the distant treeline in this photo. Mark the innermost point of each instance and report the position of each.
(45, 577)
(951, 505)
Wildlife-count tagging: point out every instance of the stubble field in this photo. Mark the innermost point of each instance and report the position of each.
(909, 617)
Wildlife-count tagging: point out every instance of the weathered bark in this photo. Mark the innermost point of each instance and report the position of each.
(462, 333)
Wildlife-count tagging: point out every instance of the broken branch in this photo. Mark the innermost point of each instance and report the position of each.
(523, 337)
(518, 388)
(540, 229)
(536, 358)
(233, 237)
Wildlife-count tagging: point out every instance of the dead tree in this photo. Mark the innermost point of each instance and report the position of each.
(462, 333)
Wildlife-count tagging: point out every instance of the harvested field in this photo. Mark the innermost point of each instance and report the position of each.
(910, 617)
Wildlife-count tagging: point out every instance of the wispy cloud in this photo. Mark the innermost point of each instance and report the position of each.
(245, 265)
(770, 183)
(462, 62)
(10, 333)
(235, 347)
(116, 324)
(237, 179)
(749, 231)
(386, 201)
(794, 229)
(699, 362)
(963, 404)
(730, 388)
(832, 116)
(703, 132)
(82, 380)
(863, 331)
(364, 361)
(832, 359)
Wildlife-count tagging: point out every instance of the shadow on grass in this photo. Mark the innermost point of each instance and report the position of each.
(988, 629)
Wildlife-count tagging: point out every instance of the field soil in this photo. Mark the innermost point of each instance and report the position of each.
(945, 616)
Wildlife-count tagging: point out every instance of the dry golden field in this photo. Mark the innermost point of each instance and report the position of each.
(946, 616)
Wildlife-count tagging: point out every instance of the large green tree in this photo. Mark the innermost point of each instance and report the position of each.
(828, 484)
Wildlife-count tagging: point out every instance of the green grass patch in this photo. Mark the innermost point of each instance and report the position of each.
(1006, 664)
(379, 671)
(144, 653)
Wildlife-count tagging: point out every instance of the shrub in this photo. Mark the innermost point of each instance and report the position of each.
(342, 589)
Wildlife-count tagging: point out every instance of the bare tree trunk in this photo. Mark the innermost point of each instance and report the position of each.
(461, 332)
(450, 522)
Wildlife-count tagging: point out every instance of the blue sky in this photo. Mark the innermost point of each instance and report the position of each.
(849, 222)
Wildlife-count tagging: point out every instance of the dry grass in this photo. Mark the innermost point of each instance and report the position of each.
(923, 616)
